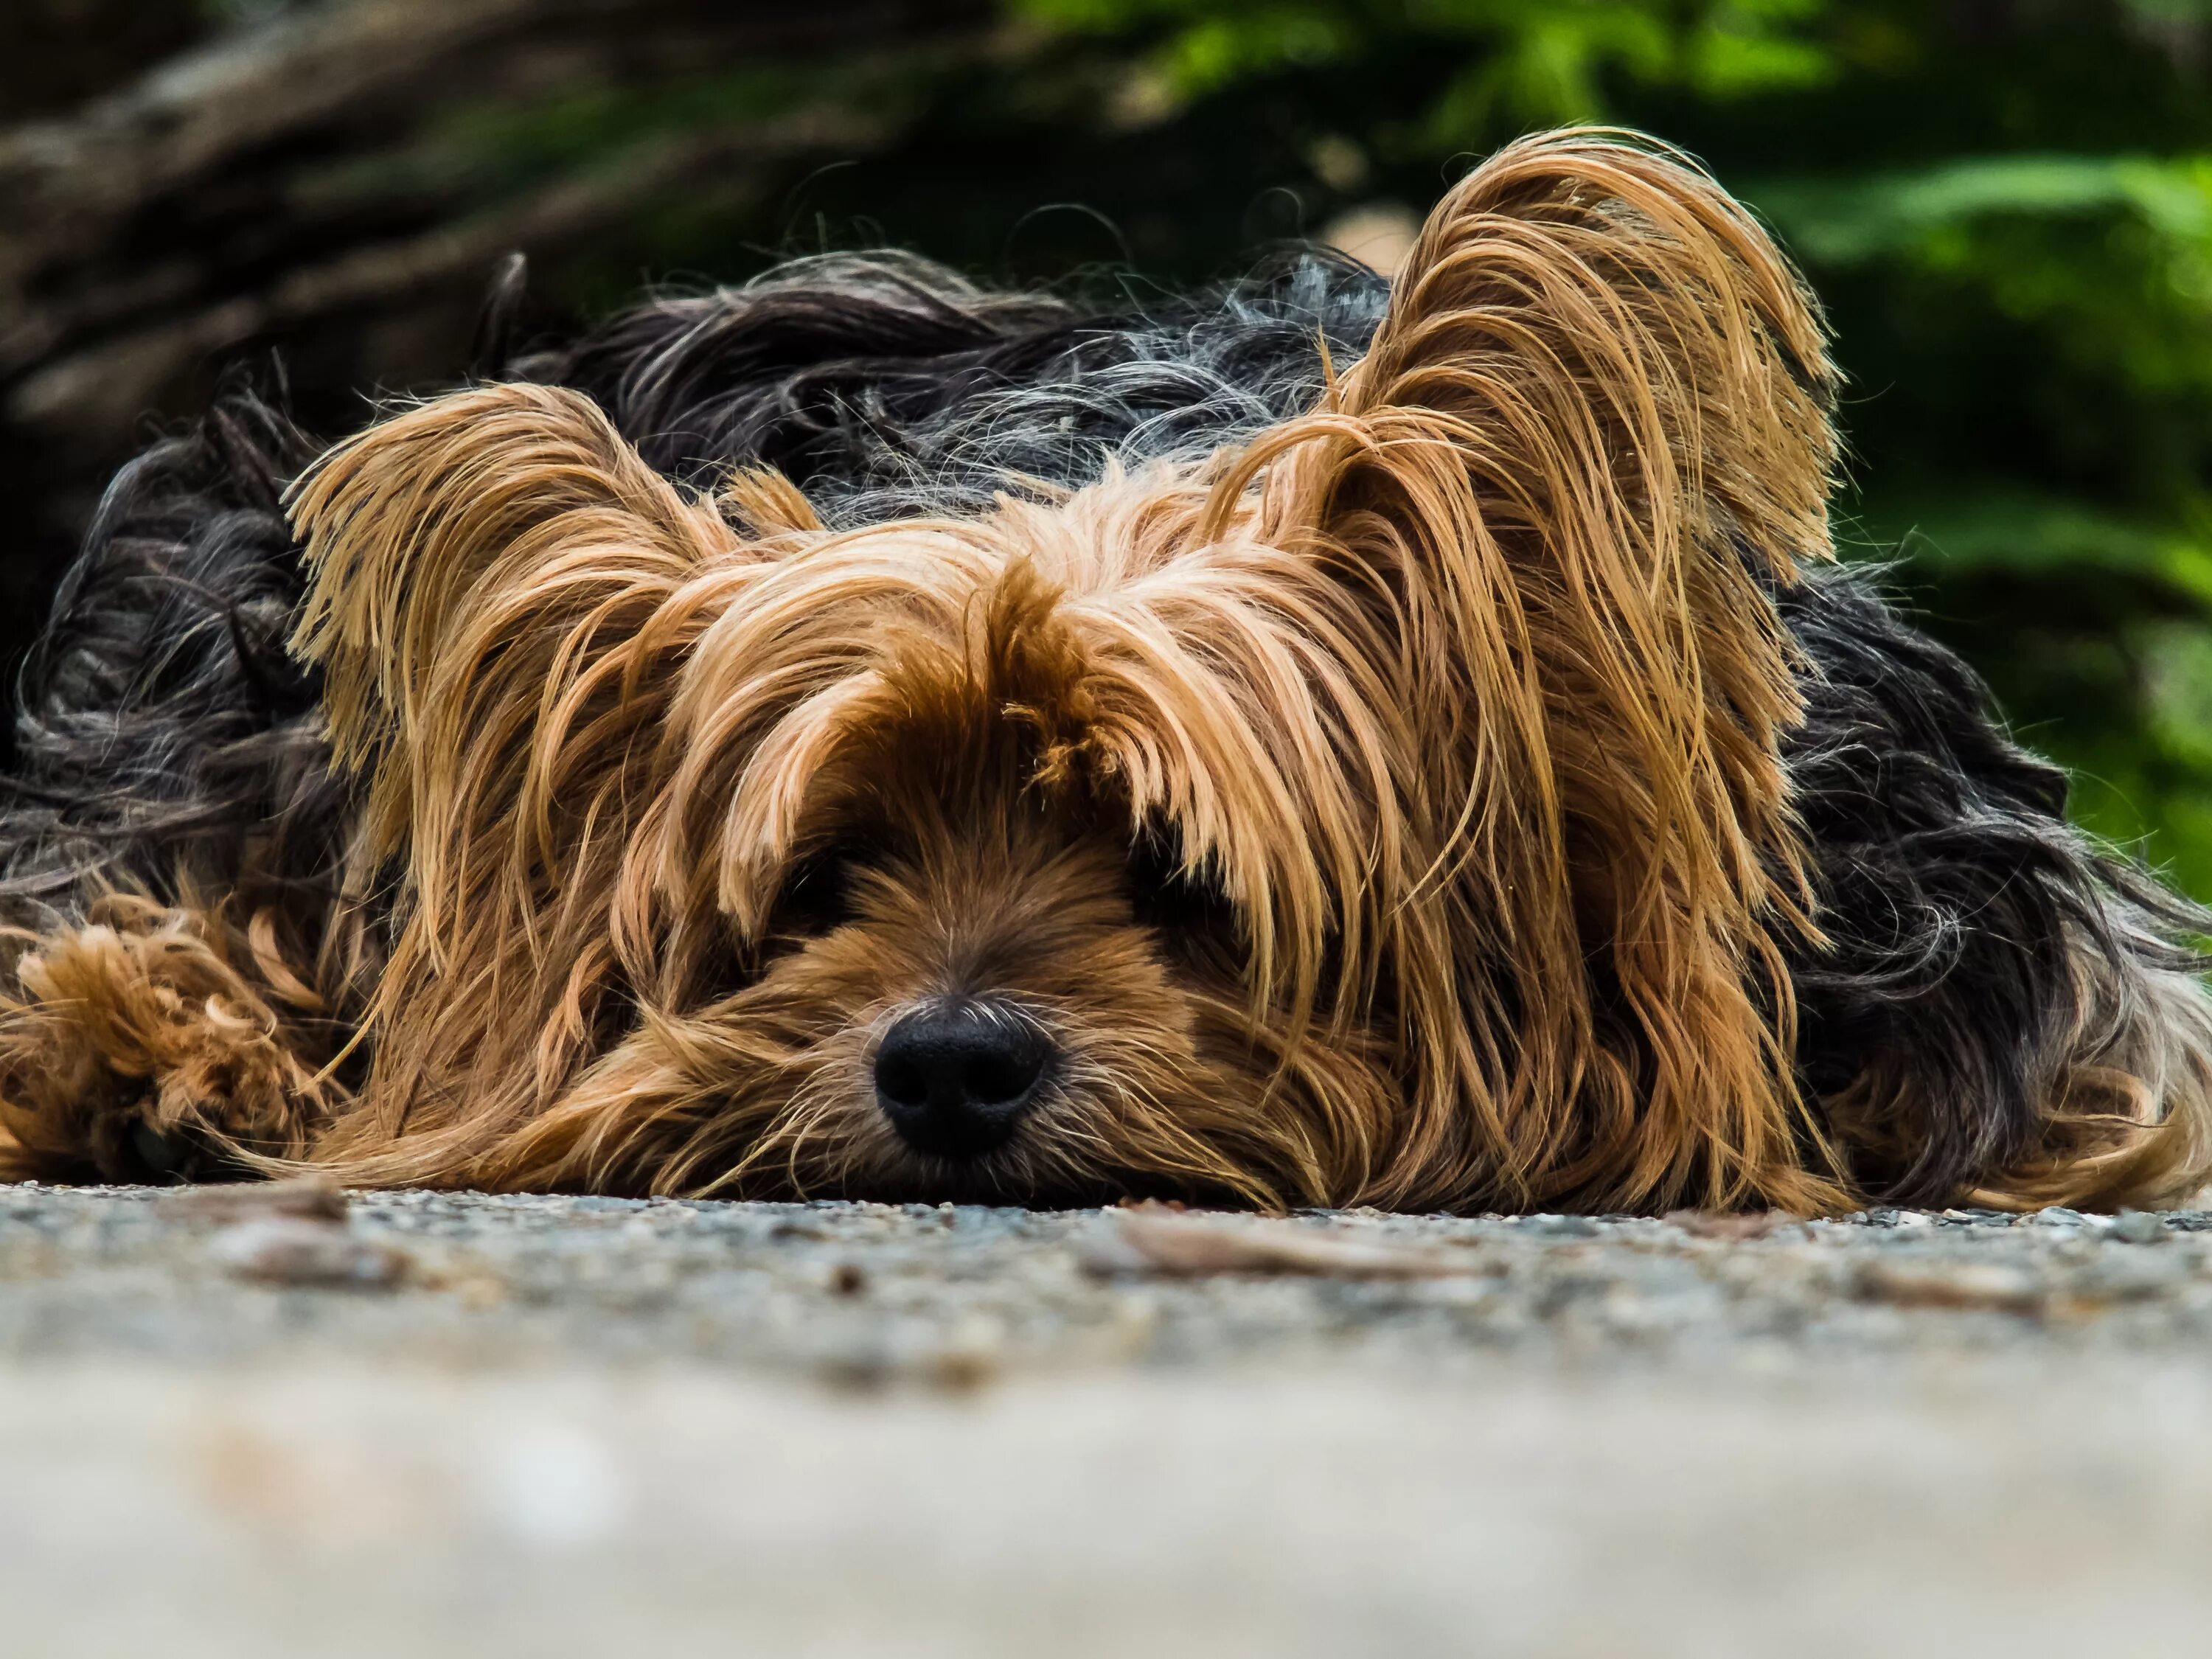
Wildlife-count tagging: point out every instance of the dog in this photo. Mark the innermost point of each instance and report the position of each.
(1317, 741)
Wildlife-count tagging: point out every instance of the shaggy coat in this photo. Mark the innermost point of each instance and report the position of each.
(1318, 741)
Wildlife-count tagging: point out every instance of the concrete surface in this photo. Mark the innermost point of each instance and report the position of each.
(547, 1426)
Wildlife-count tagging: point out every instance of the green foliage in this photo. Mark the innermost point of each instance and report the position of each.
(1537, 60)
(2009, 211)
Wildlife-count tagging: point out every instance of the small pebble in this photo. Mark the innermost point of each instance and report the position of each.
(1962, 1287)
(1562, 1226)
(308, 1199)
(1735, 1228)
(287, 1251)
(2141, 1227)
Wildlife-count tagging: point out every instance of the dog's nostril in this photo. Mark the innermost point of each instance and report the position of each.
(992, 1078)
(900, 1079)
(953, 1078)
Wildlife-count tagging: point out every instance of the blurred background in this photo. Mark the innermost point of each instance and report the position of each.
(2007, 206)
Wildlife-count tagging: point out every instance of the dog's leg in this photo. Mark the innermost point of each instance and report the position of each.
(138, 1046)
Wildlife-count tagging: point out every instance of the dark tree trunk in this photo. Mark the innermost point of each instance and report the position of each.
(336, 184)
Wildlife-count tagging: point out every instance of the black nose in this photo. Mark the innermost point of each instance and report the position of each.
(953, 1078)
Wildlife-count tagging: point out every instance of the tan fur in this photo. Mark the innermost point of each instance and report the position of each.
(2131, 1090)
(1596, 375)
(1462, 691)
(142, 1020)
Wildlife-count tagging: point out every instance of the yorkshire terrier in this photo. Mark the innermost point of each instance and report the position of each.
(1320, 741)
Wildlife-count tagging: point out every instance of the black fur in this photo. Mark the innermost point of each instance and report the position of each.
(162, 726)
(889, 388)
(1950, 888)
(160, 722)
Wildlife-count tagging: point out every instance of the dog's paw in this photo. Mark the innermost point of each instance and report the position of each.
(140, 1054)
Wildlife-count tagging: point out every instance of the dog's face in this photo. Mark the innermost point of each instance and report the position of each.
(972, 984)
(1386, 809)
(968, 845)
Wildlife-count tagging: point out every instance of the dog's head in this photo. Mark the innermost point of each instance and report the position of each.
(1388, 810)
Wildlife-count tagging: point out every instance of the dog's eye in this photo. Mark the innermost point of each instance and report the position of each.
(1170, 898)
(817, 892)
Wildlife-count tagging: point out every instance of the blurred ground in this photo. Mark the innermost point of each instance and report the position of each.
(587, 1426)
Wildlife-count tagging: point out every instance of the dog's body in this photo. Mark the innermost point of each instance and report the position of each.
(1311, 742)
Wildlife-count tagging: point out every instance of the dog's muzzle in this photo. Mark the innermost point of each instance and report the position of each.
(954, 1077)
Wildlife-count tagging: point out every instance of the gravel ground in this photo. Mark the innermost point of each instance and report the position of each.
(494, 1425)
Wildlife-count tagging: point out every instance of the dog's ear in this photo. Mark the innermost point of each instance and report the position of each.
(489, 579)
(441, 540)
(1590, 438)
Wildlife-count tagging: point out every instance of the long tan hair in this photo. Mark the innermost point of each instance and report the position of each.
(1465, 691)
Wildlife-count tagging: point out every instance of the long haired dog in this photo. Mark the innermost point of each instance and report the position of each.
(1319, 741)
